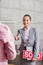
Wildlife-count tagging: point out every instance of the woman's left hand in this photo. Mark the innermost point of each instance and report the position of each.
(34, 59)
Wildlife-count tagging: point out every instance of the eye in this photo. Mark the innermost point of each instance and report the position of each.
(27, 20)
(24, 20)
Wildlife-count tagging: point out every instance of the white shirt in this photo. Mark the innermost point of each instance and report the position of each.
(26, 33)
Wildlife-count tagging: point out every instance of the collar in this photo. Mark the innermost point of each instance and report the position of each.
(27, 28)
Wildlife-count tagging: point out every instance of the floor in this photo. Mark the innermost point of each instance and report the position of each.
(10, 64)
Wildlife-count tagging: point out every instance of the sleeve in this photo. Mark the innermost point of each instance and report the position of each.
(21, 48)
(36, 45)
(10, 50)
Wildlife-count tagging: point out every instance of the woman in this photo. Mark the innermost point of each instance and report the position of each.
(29, 39)
(7, 46)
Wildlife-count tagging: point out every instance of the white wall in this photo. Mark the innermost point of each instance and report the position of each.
(12, 12)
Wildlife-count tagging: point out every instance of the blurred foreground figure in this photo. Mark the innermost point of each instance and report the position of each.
(7, 46)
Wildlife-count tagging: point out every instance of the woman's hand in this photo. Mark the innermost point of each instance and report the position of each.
(34, 59)
(16, 37)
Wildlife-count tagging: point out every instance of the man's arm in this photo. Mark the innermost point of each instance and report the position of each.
(10, 50)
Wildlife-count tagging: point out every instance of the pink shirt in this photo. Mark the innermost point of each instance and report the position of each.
(7, 46)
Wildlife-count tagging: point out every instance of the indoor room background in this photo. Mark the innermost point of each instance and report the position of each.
(12, 11)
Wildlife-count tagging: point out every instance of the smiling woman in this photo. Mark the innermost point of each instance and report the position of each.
(29, 38)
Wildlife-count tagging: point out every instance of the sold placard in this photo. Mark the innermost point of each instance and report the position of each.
(29, 54)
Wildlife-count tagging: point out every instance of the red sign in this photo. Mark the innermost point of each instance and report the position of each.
(39, 56)
(28, 55)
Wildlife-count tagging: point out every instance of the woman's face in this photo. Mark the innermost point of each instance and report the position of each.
(26, 21)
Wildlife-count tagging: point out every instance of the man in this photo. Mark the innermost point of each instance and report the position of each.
(7, 46)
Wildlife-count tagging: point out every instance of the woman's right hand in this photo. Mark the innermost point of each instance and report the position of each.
(16, 37)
